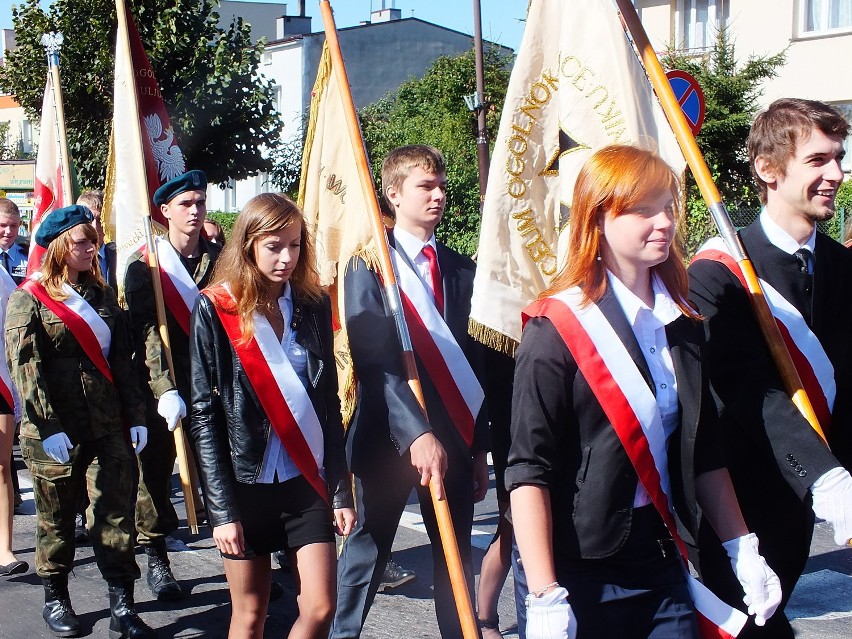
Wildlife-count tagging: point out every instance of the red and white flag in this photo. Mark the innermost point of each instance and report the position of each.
(128, 197)
(48, 171)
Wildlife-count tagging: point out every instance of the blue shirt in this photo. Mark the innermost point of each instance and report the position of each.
(17, 260)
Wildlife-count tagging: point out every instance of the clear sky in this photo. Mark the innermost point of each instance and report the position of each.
(501, 19)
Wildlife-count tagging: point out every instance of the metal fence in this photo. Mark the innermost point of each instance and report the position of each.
(833, 228)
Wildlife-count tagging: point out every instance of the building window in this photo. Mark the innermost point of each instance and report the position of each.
(699, 21)
(26, 136)
(826, 15)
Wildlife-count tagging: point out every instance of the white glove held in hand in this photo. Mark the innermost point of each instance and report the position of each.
(138, 437)
(550, 616)
(833, 502)
(760, 583)
(171, 408)
(57, 447)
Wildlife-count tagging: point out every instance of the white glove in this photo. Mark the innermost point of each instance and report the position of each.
(760, 583)
(57, 447)
(833, 502)
(171, 408)
(550, 616)
(138, 437)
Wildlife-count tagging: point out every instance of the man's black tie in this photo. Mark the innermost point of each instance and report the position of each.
(6, 262)
(805, 258)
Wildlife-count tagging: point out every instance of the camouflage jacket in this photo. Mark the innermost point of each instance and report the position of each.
(61, 389)
(151, 364)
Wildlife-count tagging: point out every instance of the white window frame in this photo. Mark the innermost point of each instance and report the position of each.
(685, 21)
(804, 32)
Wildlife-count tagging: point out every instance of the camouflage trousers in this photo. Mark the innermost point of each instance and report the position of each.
(155, 514)
(106, 467)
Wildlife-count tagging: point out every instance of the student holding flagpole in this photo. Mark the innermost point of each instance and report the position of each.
(69, 356)
(265, 417)
(186, 262)
(613, 455)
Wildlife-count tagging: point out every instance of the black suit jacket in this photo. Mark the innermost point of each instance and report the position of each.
(388, 418)
(767, 441)
(563, 440)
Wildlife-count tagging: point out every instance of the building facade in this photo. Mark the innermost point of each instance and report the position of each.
(380, 55)
(816, 34)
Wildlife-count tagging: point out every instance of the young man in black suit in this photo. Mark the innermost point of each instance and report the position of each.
(391, 446)
(782, 471)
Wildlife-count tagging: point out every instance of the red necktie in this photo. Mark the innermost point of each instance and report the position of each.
(435, 272)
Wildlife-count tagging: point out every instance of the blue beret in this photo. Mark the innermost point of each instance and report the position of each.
(58, 221)
(189, 181)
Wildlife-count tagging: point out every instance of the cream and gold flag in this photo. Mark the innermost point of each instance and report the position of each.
(577, 85)
(335, 206)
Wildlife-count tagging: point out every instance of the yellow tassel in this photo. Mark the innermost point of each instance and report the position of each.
(491, 338)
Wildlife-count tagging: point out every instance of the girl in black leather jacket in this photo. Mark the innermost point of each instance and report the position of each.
(265, 421)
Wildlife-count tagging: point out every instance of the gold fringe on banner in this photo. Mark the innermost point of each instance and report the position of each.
(323, 76)
(346, 378)
(491, 338)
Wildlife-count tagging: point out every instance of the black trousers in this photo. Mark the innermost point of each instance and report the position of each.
(380, 498)
(640, 592)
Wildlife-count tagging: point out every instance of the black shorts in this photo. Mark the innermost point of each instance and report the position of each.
(5, 409)
(281, 516)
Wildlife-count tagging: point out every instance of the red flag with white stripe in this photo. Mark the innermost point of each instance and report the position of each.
(48, 171)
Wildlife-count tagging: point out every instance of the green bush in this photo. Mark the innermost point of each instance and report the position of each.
(225, 220)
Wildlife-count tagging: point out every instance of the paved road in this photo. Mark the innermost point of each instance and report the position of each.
(822, 604)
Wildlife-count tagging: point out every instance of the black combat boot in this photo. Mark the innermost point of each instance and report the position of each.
(124, 623)
(160, 579)
(58, 613)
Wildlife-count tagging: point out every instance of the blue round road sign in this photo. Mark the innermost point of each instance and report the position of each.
(690, 97)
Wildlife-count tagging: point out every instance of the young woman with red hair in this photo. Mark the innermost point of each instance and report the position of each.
(612, 459)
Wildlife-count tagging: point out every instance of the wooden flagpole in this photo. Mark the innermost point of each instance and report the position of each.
(461, 594)
(186, 476)
(698, 166)
(52, 42)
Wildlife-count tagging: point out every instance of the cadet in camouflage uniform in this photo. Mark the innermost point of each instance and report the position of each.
(72, 414)
(182, 201)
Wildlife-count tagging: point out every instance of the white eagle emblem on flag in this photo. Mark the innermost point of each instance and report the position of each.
(169, 157)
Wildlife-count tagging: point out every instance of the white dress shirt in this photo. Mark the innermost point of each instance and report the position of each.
(277, 464)
(780, 238)
(649, 327)
(413, 248)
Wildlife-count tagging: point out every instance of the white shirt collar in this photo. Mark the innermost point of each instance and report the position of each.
(665, 310)
(780, 238)
(410, 244)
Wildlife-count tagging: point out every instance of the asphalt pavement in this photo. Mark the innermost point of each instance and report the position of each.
(821, 605)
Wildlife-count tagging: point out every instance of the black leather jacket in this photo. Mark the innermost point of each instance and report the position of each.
(229, 428)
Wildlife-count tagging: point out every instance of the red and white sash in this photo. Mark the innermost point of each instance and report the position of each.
(632, 410)
(280, 391)
(7, 388)
(87, 327)
(809, 357)
(179, 289)
(443, 358)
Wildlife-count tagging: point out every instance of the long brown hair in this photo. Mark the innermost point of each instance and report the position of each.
(263, 215)
(54, 269)
(614, 179)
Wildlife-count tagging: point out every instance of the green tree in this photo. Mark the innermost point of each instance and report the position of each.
(432, 111)
(220, 107)
(8, 149)
(731, 92)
